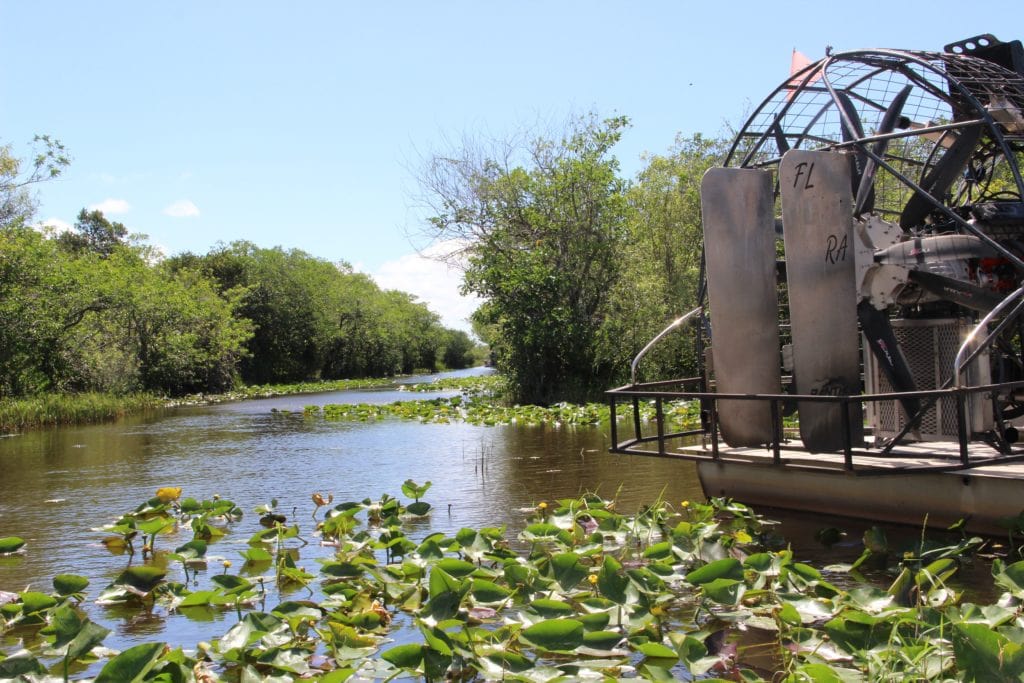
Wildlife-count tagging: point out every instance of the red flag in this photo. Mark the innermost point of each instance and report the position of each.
(797, 63)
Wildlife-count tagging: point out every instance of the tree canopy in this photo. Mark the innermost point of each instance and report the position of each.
(578, 267)
(91, 309)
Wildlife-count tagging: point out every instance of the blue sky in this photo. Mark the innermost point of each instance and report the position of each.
(302, 124)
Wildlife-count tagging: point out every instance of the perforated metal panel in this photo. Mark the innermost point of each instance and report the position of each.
(930, 348)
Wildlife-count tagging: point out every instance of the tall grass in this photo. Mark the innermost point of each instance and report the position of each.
(49, 410)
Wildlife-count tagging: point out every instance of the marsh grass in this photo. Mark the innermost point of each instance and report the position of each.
(51, 410)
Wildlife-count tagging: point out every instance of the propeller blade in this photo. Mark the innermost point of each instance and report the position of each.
(866, 190)
(781, 143)
(853, 130)
(959, 292)
(941, 176)
(882, 340)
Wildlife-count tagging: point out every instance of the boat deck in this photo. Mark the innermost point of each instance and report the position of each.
(924, 456)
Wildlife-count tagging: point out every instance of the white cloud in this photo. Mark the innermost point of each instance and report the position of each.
(434, 283)
(112, 206)
(183, 208)
(56, 225)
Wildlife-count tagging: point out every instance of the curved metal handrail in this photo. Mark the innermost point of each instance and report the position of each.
(643, 352)
(958, 364)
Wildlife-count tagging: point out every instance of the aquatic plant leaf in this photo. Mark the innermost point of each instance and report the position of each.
(726, 568)
(143, 577)
(653, 672)
(20, 664)
(151, 527)
(870, 599)
(69, 584)
(34, 601)
(554, 634)
(567, 570)
(820, 673)
(408, 656)
(723, 591)
(542, 531)
(345, 635)
(89, 636)
(1010, 577)
(197, 599)
(488, 592)
(342, 569)
(856, 631)
(298, 608)
(456, 567)
(986, 655)
(419, 508)
(602, 640)
(647, 581)
(505, 660)
(192, 550)
(437, 640)
(11, 544)
(659, 551)
(759, 562)
(65, 623)
(413, 490)
(610, 581)
(656, 650)
(256, 554)
(990, 615)
(446, 594)
(252, 627)
(131, 665)
(546, 607)
(594, 621)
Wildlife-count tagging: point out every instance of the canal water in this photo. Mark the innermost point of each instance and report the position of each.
(58, 485)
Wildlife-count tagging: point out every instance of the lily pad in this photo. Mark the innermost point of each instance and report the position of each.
(11, 544)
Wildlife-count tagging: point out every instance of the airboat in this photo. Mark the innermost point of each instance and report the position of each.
(859, 328)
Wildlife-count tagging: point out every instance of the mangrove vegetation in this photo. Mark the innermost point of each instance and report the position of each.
(96, 309)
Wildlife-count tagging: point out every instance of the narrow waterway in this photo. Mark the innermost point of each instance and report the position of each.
(57, 485)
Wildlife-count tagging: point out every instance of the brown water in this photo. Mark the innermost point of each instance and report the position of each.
(56, 485)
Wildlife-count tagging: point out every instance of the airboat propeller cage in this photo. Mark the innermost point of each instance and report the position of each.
(897, 175)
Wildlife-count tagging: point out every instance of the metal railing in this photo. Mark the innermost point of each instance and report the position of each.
(954, 389)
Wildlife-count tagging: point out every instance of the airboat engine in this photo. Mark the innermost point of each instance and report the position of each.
(897, 175)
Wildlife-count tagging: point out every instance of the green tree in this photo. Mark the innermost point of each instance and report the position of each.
(661, 261)
(459, 350)
(17, 204)
(93, 232)
(544, 224)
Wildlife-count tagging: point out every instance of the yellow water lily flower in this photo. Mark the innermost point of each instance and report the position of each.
(168, 494)
(592, 579)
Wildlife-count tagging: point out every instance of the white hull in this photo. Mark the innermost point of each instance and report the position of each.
(983, 496)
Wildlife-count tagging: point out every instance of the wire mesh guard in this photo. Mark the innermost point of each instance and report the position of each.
(946, 93)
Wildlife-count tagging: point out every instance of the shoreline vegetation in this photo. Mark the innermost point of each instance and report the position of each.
(53, 410)
(480, 401)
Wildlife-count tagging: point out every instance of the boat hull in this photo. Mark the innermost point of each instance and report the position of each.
(987, 498)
